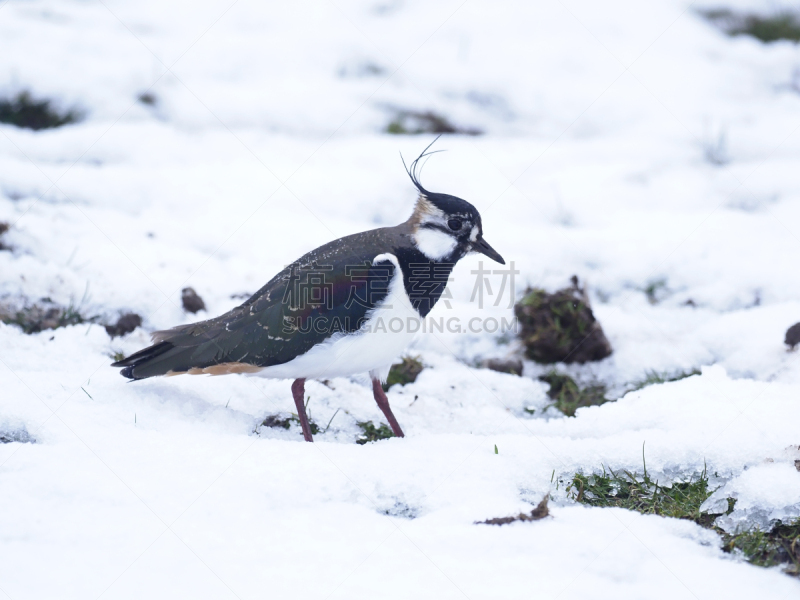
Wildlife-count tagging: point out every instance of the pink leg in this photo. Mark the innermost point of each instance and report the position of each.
(298, 391)
(383, 404)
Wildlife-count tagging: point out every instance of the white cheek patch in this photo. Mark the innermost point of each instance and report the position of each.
(437, 218)
(434, 244)
(473, 235)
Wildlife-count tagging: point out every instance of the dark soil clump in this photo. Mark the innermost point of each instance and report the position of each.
(126, 324)
(540, 512)
(147, 99)
(24, 111)
(792, 336)
(560, 327)
(191, 301)
(20, 436)
(4, 227)
(512, 366)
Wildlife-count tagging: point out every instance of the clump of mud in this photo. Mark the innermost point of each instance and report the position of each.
(191, 300)
(23, 110)
(540, 512)
(4, 227)
(126, 324)
(512, 366)
(792, 336)
(560, 327)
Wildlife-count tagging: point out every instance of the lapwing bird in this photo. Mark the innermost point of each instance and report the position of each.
(342, 309)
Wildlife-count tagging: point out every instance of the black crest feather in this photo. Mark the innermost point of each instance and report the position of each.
(450, 205)
(415, 170)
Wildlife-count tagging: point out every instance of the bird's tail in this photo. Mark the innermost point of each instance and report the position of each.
(169, 355)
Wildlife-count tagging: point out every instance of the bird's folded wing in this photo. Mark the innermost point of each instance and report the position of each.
(327, 291)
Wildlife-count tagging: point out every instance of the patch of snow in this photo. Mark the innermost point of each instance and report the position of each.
(763, 493)
(265, 140)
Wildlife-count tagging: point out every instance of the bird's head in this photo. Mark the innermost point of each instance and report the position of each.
(445, 228)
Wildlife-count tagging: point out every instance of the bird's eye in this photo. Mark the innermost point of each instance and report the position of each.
(454, 224)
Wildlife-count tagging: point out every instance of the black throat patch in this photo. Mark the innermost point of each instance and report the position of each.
(424, 279)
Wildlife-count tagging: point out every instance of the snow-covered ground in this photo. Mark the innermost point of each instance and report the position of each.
(265, 141)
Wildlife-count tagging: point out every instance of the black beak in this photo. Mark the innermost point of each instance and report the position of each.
(481, 246)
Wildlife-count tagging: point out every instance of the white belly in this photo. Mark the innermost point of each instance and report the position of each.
(380, 341)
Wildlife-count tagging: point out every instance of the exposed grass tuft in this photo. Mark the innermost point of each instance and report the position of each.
(372, 433)
(780, 546)
(624, 489)
(275, 421)
(569, 396)
(36, 318)
(409, 122)
(654, 377)
(769, 28)
(24, 111)
(655, 290)
(406, 371)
